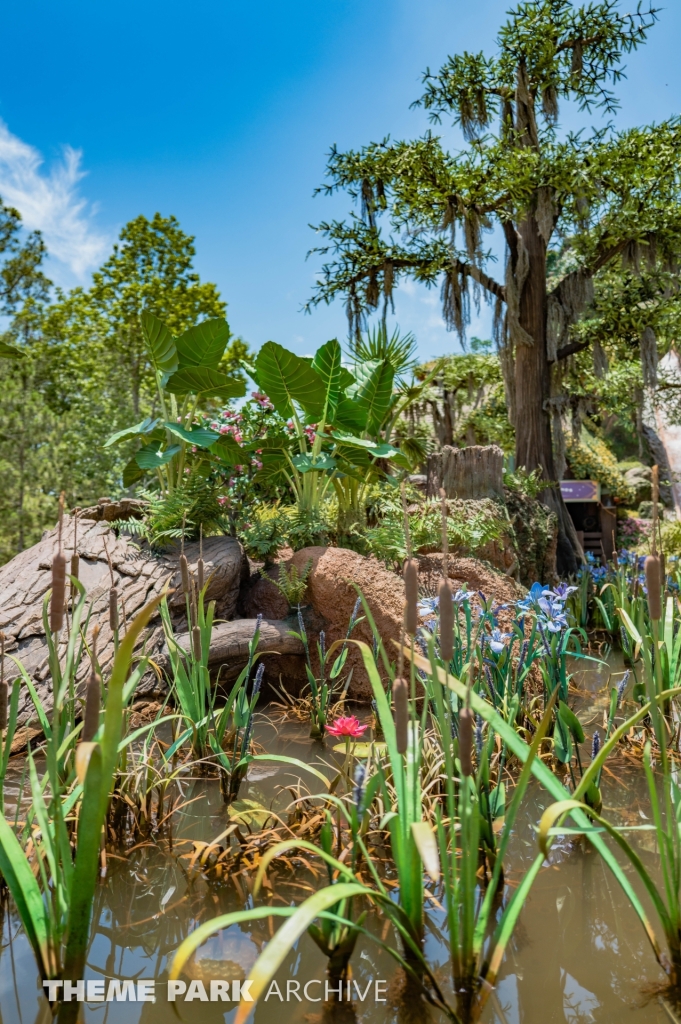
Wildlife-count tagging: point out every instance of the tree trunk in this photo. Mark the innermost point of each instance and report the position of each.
(469, 473)
(534, 448)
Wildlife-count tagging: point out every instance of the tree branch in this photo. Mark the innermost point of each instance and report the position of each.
(569, 350)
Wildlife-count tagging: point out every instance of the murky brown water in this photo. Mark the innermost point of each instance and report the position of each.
(579, 954)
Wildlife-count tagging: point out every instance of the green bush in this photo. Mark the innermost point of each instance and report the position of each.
(591, 459)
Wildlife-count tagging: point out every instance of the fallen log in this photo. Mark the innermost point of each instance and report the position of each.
(230, 642)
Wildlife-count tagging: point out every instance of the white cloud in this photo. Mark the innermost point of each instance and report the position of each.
(49, 201)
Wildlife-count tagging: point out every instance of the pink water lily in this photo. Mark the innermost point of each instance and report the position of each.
(347, 725)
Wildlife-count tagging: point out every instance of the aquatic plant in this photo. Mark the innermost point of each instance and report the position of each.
(55, 908)
(326, 690)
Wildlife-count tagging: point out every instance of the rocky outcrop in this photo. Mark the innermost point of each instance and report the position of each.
(639, 478)
(138, 575)
(337, 575)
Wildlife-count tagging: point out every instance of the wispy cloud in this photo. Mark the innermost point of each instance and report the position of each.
(49, 201)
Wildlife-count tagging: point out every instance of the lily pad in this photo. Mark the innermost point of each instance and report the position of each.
(249, 812)
(362, 749)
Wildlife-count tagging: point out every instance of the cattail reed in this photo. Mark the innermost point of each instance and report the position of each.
(466, 740)
(184, 573)
(200, 568)
(411, 592)
(196, 642)
(3, 686)
(446, 621)
(654, 586)
(114, 620)
(58, 580)
(655, 488)
(93, 696)
(401, 704)
(75, 558)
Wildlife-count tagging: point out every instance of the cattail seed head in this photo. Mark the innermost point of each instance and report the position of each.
(466, 741)
(201, 572)
(401, 705)
(93, 702)
(411, 593)
(654, 586)
(196, 642)
(446, 621)
(58, 593)
(3, 686)
(184, 572)
(114, 621)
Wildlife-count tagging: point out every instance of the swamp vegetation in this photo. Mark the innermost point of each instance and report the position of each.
(495, 833)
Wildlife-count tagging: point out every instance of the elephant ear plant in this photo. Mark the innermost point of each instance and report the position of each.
(55, 907)
(187, 372)
(336, 419)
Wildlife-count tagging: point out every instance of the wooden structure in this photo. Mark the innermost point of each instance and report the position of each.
(594, 518)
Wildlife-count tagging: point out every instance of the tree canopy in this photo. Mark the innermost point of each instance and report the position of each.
(607, 199)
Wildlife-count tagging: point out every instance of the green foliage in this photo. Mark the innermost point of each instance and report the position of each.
(186, 366)
(191, 509)
(590, 459)
(528, 485)
(606, 204)
(266, 532)
(671, 537)
(292, 583)
(467, 532)
(85, 370)
(55, 908)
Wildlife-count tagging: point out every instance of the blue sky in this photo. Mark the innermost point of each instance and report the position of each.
(222, 113)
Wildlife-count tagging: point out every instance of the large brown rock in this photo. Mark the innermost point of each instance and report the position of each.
(336, 575)
(138, 575)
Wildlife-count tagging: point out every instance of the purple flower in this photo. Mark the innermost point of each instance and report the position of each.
(561, 592)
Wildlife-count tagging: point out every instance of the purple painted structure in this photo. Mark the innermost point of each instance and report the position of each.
(580, 490)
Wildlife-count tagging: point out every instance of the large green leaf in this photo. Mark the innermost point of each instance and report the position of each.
(160, 342)
(277, 442)
(373, 391)
(132, 472)
(145, 427)
(26, 894)
(327, 363)
(379, 450)
(151, 456)
(9, 351)
(304, 463)
(273, 465)
(199, 436)
(84, 880)
(350, 415)
(202, 380)
(204, 344)
(229, 451)
(286, 378)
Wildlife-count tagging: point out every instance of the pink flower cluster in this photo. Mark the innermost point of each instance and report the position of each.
(261, 399)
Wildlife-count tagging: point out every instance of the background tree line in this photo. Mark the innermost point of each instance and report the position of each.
(73, 366)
